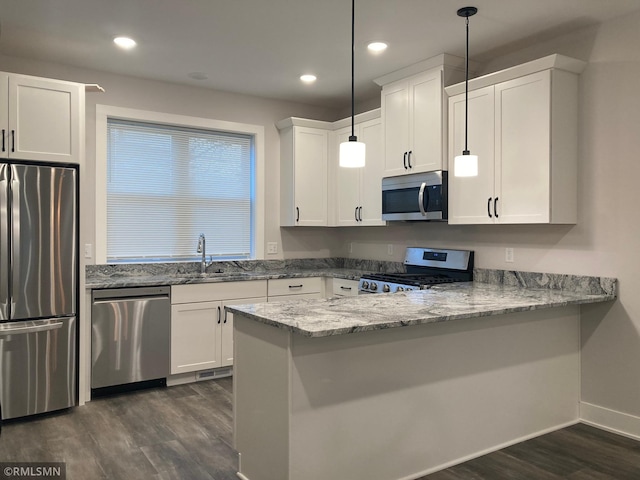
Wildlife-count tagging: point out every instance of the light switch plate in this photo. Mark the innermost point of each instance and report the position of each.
(88, 250)
(390, 249)
(272, 247)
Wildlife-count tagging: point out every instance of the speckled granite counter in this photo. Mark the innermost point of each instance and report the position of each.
(337, 316)
(139, 275)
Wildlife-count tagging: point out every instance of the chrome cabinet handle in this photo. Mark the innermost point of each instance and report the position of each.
(3, 141)
(404, 160)
(409, 159)
(225, 315)
(345, 288)
(296, 286)
(219, 315)
(489, 208)
(495, 207)
(13, 140)
(355, 213)
(421, 199)
(297, 214)
(360, 214)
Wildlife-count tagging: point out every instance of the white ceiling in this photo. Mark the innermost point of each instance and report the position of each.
(261, 47)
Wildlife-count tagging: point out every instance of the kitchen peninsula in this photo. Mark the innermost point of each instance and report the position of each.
(396, 386)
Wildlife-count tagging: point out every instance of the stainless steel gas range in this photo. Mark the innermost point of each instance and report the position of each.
(425, 267)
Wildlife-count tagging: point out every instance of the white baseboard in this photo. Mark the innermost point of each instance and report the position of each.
(610, 420)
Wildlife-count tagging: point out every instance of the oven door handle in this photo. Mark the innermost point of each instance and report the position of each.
(421, 199)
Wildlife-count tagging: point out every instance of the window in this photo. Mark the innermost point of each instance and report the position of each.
(164, 185)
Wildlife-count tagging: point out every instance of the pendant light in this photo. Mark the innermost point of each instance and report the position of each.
(352, 152)
(466, 165)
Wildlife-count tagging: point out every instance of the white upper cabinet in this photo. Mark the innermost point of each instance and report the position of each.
(472, 197)
(414, 114)
(41, 119)
(523, 127)
(303, 176)
(413, 124)
(357, 192)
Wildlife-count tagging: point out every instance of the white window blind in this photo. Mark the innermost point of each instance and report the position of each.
(168, 184)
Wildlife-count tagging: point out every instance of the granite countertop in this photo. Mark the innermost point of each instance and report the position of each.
(122, 280)
(338, 316)
(152, 274)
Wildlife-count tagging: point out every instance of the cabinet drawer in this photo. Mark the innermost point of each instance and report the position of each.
(294, 286)
(211, 292)
(295, 298)
(343, 287)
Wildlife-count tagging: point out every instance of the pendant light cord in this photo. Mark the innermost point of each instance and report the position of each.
(353, 49)
(466, 92)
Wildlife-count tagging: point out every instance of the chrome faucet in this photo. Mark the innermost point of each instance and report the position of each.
(202, 248)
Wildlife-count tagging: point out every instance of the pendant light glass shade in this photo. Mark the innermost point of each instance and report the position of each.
(352, 154)
(466, 165)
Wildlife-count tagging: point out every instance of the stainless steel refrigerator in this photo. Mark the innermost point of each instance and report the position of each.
(38, 288)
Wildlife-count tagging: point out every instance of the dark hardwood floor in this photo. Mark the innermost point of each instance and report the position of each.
(185, 432)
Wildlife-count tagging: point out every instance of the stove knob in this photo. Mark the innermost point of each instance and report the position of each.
(386, 288)
(400, 289)
(373, 286)
(365, 284)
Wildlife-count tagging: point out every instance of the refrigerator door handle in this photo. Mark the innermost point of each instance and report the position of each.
(30, 326)
(14, 253)
(4, 241)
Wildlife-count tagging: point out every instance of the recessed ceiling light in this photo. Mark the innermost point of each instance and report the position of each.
(125, 42)
(308, 78)
(377, 47)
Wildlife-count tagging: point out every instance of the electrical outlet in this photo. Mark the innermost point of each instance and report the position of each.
(508, 255)
(88, 250)
(390, 249)
(272, 247)
(350, 247)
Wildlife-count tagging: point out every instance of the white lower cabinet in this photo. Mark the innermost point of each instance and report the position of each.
(281, 289)
(341, 287)
(201, 332)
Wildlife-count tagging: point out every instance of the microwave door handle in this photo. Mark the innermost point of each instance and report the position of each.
(421, 199)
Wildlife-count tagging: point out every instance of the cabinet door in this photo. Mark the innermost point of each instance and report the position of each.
(425, 122)
(44, 119)
(471, 198)
(523, 149)
(347, 195)
(370, 208)
(310, 176)
(195, 336)
(226, 332)
(395, 112)
(4, 115)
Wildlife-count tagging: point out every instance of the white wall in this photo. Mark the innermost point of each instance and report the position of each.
(130, 92)
(606, 240)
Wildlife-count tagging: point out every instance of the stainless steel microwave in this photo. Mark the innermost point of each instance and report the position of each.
(418, 196)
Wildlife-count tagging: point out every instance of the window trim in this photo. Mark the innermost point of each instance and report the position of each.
(103, 112)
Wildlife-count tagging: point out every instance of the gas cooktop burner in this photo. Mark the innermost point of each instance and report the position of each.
(425, 268)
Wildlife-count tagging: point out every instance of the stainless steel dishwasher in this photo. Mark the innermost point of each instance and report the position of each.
(130, 335)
